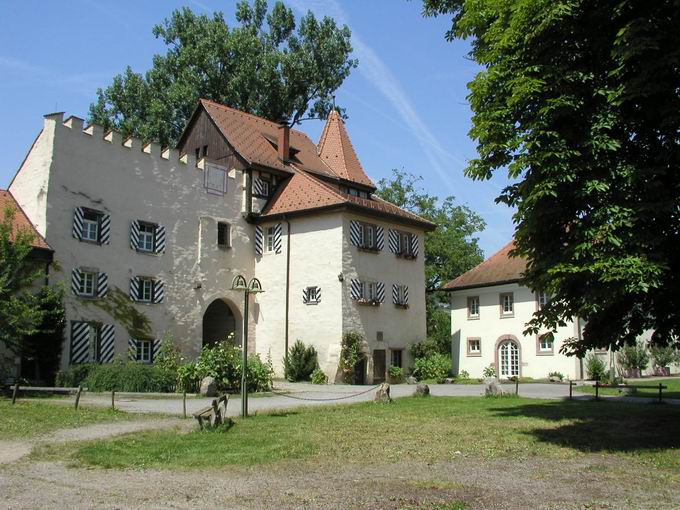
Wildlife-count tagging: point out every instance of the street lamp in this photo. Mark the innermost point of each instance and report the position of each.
(252, 287)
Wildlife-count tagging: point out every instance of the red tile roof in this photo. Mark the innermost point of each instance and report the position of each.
(498, 269)
(21, 220)
(337, 151)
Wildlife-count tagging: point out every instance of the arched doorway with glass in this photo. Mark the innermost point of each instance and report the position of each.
(508, 357)
(221, 321)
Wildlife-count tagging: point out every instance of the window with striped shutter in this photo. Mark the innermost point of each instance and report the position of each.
(311, 295)
(89, 283)
(367, 236)
(91, 225)
(400, 295)
(147, 237)
(367, 292)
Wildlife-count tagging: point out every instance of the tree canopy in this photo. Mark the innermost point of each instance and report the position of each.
(269, 65)
(450, 250)
(579, 101)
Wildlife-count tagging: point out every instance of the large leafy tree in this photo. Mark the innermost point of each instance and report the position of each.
(579, 101)
(268, 65)
(450, 250)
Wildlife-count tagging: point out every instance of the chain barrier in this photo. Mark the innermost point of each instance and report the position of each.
(325, 399)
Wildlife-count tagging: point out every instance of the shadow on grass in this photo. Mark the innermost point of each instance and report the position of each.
(602, 426)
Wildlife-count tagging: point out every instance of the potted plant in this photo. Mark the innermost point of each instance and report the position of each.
(663, 358)
(633, 359)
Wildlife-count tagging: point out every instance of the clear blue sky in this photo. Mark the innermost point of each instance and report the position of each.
(406, 101)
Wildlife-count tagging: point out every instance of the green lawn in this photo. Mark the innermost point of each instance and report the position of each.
(31, 418)
(425, 429)
(672, 391)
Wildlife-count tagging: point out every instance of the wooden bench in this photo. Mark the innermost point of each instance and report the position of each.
(214, 414)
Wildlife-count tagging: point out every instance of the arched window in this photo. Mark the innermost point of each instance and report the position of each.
(508, 359)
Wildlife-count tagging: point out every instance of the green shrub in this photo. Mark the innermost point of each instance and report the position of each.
(187, 378)
(664, 356)
(73, 375)
(556, 375)
(463, 374)
(300, 362)
(131, 376)
(436, 366)
(319, 377)
(351, 354)
(489, 372)
(221, 362)
(633, 357)
(396, 374)
(260, 374)
(428, 347)
(595, 367)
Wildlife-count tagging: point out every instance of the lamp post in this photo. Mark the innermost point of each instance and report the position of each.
(252, 287)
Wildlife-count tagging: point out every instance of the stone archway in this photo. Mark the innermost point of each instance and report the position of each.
(220, 323)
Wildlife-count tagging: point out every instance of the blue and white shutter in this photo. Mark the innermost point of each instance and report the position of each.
(105, 229)
(102, 285)
(134, 288)
(159, 240)
(278, 234)
(355, 233)
(380, 238)
(107, 338)
(259, 240)
(80, 342)
(356, 289)
(414, 244)
(134, 235)
(76, 279)
(132, 349)
(158, 291)
(380, 292)
(393, 240)
(78, 223)
(156, 346)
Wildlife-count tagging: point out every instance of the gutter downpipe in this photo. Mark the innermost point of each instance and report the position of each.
(285, 218)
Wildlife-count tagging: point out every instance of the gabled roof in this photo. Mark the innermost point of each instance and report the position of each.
(336, 151)
(498, 269)
(21, 220)
(254, 138)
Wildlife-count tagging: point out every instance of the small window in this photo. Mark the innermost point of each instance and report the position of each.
(363, 194)
(223, 235)
(215, 180)
(401, 295)
(270, 240)
(371, 289)
(91, 220)
(146, 290)
(397, 357)
(545, 343)
(87, 283)
(144, 351)
(368, 237)
(473, 307)
(264, 187)
(353, 192)
(542, 298)
(205, 151)
(507, 304)
(379, 336)
(147, 233)
(474, 347)
(312, 296)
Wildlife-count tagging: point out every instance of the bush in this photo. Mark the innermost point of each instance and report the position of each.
(664, 356)
(319, 377)
(396, 374)
(132, 376)
(222, 362)
(632, 358)
(351, 354)
(436, 366)
(559, 376)
(464, 374)
(489, 371)
(428, 347)
(260, 374)
(595, 367)
(74, 375)
(187, 378)
(300, 362)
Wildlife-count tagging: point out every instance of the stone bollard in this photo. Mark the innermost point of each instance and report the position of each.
(383, 394)
(422, 390)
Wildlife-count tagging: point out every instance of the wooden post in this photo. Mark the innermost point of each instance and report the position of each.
(660, 395)
(597, 390)
(571, 385)
(113, 400)
(516, 385)
(184, 404)
(15, 392)
(80, 390)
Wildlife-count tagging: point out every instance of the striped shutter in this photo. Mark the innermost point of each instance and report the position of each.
(259, 240)
(156, 346)
(356, 289)
(405, 301)
(107, 337)
(102, 285)
(414, 244)
(355, 232)
(380, 290)
(259, 187)
(380, 238)
(134, 288)
(396, 299)
(78, 223)
(278, 231)
(393, 239)
(159, 240)
(134, 235)
(132, 349)
(105, 229)
(305, 296)
(158, 291)
(76, 279)
(318, 295)
(80, 342)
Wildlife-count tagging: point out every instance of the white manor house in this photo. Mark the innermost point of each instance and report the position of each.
(148, 240)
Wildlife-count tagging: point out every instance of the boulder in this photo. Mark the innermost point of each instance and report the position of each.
(411, 380)
(208, 387)
(492, 388)
(422, 390)
(449, 380)
(383, 394)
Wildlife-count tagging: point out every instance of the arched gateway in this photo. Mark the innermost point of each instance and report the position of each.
(221, 323)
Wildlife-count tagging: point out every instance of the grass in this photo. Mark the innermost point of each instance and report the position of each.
(31, 418)
(424, 429)
(672, 391)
